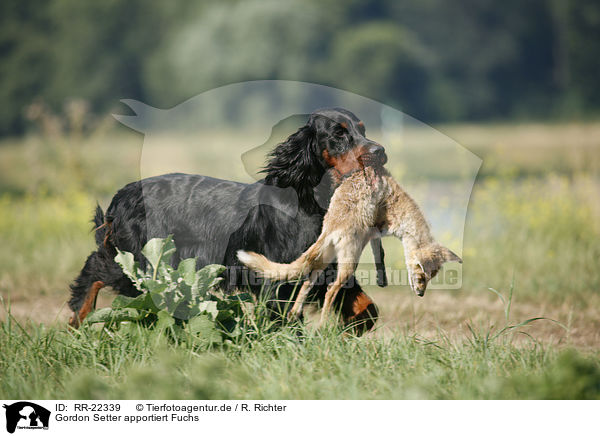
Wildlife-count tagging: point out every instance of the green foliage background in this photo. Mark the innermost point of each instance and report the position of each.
(437, 60)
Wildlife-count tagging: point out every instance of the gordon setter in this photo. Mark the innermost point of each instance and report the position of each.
(211, 219)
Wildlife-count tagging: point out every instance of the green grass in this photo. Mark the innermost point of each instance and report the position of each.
(133, 362)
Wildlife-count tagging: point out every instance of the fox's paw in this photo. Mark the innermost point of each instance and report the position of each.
(417, 279)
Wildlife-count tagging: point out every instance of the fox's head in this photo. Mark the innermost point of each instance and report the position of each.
(425, 263)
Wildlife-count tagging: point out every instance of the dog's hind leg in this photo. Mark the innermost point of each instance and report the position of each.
(358, 310)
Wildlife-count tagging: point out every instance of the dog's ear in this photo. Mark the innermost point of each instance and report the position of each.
(379, 256)
(296, 162)
(305, 142)
(447, 255)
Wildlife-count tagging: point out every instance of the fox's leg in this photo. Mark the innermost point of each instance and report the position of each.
(347, 261)
(296, 311)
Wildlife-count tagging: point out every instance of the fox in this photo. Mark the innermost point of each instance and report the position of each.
(368, 204)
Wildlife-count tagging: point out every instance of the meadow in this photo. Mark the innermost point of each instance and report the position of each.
(532, 234)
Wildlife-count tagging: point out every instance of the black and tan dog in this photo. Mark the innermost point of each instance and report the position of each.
(212, 219)
(368, 204)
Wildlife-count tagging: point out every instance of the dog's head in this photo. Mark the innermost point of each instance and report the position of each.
(342, 141)
(332, 139)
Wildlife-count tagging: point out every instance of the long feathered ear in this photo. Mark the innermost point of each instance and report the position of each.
(295, 162)
(448, 255)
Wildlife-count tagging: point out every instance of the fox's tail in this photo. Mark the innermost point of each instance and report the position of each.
(309, 260)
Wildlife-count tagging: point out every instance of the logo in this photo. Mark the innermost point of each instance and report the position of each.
(26, 415)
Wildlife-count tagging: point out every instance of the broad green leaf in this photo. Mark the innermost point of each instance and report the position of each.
(129, 267)
(166, 273)
(100, 315)
(187, 270)
(107, 314)
(167, 297)
(158, 250)
(204, 329)
(165, 320)
(154, 286)
(127, 262)
(188, 306)
(142, 302)
(121, 301)
(208, 278)
(209, 307)
(213, 269)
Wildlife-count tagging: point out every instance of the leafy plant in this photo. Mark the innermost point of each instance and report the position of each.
(181, 301)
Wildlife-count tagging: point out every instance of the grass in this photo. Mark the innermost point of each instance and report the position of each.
(134, 363)
(533, 217)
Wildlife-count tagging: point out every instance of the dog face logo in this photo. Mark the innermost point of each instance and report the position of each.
(26, 415)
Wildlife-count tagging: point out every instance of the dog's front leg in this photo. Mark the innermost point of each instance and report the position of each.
(379, 256)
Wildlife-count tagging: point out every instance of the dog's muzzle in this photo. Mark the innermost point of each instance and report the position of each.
(375, 155)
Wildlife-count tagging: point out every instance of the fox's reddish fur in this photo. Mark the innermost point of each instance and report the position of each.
(368, 204)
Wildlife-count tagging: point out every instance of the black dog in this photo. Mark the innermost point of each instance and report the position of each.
(212, 219)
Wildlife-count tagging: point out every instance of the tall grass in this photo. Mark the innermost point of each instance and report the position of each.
(544, 230)
(290, 363)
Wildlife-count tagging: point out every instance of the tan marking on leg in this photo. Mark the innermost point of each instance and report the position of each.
(359, 312)
(88, 305)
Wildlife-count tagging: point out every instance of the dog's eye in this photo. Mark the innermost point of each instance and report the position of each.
(340, 132)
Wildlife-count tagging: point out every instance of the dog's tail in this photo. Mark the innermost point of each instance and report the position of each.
(309, 260)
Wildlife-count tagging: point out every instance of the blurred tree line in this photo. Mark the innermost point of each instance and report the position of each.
(435, 59)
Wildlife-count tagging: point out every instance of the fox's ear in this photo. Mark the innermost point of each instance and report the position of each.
(448, 255)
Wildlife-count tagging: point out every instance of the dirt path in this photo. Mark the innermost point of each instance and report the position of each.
(425, 317)
(451, 313)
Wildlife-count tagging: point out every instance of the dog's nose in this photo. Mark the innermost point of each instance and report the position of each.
(379, 152)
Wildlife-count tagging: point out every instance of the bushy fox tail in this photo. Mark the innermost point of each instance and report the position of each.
(309, 260)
